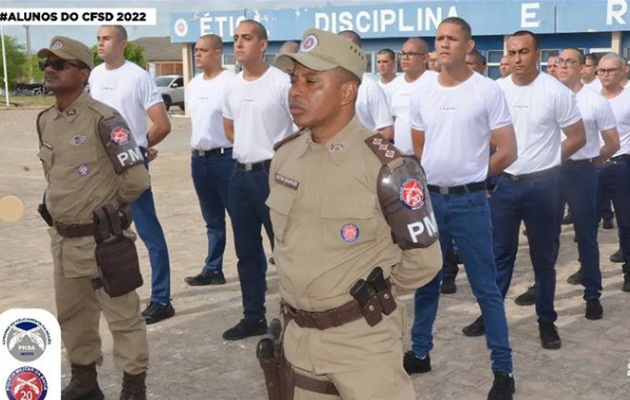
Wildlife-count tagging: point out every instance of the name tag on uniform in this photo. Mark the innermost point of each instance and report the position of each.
(286, 182)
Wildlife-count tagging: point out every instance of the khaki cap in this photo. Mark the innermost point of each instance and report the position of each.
(68, 49)
(323, 51)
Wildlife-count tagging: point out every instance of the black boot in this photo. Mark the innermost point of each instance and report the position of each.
(83, 384)
(133, 387)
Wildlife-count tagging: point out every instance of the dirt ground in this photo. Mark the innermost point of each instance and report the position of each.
(189, 360)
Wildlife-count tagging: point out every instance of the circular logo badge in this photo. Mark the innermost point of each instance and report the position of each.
(26, 383)
(181, 27)
(411, 194)
(309, 43)
(57, 45)
(119, 135)
(349, 233)
(26, 339)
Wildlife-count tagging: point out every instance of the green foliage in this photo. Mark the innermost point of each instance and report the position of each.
(32, 67)
(133, 53)
(16, 59)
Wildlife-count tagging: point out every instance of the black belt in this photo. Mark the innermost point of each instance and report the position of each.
(251, 167)
(213, 152)
(469, 188)
(581, 163)
(620, 159)
(545, 173)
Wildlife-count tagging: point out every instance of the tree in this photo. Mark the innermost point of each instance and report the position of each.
(133, 53)
(33, 66)
(16, 58)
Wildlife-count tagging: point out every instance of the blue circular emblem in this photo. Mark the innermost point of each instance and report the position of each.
(349, 233)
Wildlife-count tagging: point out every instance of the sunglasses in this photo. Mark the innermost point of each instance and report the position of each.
(57, 65)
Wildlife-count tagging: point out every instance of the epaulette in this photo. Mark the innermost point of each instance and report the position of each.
(106, 111)
(288, 139)
(44, 111)
(384, 150)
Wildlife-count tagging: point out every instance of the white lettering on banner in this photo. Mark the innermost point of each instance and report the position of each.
(528, 15)
(381, 20)
(416, 229)
(616, 9)
(217, 25)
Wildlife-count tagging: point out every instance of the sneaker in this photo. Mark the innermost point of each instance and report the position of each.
(156, 312)
(503, 387)
(617, 257)
(206, 278)
(415, 365)
(549, 337)
(576, 278)
(567, 220)
(608, 225)
(246, 328)
(594, 309)
(448, 286)
(475, 329)
(526, 299)
(626, 282)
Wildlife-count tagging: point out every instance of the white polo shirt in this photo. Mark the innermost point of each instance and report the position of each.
(621, 108)
(372, 107)
(131, 91)
(400, 109)
(457, 122)
(597, 117)
(204, 102)
(260, 111)
(539, 110)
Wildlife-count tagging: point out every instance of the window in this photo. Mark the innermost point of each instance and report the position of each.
(494, 60)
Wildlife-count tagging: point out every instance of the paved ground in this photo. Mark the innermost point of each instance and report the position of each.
(189, 360)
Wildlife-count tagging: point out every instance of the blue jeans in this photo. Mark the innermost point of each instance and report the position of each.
(535, 202)
(151, 233)
(614, 182)
(604, 205)
(578, 188)
(248, 193)
(449, 266)
(465, 219)
(211, 178)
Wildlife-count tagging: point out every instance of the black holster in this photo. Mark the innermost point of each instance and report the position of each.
(278, 373)
(116, 254)
(43, 211)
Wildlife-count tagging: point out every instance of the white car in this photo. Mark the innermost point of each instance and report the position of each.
(171, 87)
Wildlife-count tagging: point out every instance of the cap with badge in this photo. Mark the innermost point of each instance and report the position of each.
(323, 51)
(68, 49)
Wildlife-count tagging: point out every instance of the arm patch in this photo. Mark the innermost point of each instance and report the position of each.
(403, 196)
(119, 143)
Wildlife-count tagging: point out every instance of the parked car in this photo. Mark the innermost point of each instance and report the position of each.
(171, 87)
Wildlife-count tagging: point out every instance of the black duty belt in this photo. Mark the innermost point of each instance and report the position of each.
(469, 188)
(74, 230)
(252, 167)
(213, 152)
(546, 173)
(580, 163)
(620, 159)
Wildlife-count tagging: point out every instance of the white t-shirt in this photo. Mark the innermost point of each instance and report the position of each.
(389, 88)
(260, 111)
(131, 91)
(457, 122)
(597, 117)
(539, 111)
(621, 108)
(372, 107)
(204, 102)
(596, 84)
(400, 109)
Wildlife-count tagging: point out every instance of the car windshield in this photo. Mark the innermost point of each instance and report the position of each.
(163, 81)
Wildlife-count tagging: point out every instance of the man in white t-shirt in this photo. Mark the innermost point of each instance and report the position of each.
(614, 178)
(256, 116)
(476, 62)
(589, 73)
(434, 63)
(454, 117)
(130, 89)
(504, 67)
(542, 109)
(578, 177)
(211, 160)
(372, 106)
(552, 68)
(386, 68)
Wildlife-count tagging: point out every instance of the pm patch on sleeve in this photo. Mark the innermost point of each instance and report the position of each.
(119, 144)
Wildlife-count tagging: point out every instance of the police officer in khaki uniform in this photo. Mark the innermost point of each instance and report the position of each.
(90, 160)
(330, 217)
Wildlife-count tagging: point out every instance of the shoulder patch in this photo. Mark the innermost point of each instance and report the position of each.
(382, 148)
(106, 111)
(287, 139)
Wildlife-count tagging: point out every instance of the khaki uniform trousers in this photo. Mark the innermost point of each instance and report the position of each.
(79, 309)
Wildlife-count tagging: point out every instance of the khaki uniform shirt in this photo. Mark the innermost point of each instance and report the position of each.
(79, 171)
(330, 232)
